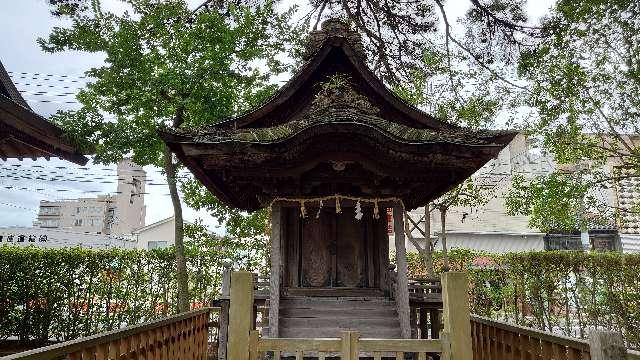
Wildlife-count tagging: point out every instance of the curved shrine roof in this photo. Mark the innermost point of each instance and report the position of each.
(334, 128)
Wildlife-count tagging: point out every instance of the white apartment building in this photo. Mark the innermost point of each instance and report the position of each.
(118, 214)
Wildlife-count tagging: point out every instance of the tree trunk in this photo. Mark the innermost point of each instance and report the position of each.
(181, 263)
(443, 239)
(170, 169)
(424, 253)
(428, 258)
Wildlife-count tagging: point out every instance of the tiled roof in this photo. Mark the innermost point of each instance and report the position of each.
(24, 133)
(336, 116)
(8, 89)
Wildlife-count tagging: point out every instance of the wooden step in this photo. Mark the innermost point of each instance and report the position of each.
(313, 312)
(352, 323)
(336, 302)
(332, 310)
(378, 333)
(310, 317)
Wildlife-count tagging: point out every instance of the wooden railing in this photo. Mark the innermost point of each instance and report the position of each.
(425, 289)
(183, 336)
(492, 339)
(348, 347)
(246, 343)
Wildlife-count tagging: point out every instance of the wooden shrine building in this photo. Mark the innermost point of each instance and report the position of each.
(329, 153)
(25, 134)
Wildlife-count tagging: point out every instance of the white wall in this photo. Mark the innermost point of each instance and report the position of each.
(496, 243)
(630, 243)
(489, 242)
(161, 232)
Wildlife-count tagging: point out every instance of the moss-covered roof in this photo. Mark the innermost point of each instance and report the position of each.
(339, 116)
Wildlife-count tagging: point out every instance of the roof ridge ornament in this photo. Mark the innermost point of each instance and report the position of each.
(338, 92)
(333, 28)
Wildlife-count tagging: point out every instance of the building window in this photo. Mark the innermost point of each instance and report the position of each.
(562, 242)
(78, 222)
(156, 245)
(49, 223)
(49, 210)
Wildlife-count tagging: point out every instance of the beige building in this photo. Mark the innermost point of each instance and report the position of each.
(119, 214)
(490, 228)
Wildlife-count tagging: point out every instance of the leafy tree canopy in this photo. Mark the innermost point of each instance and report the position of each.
(163, 59)
(238, 224)
(557, 202)
(167, 65)
(585, 80)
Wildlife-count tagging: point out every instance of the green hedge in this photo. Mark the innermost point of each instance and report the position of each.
(564, 292)
(62, 294)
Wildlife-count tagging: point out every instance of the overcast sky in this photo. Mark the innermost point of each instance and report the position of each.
(48, 82)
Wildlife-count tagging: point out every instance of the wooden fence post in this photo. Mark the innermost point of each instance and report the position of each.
(254, 338)
(350, 345)
(606, 345)
(223, 318)
(457, 321)
(223, 326)
(240, 314)
(446, 347)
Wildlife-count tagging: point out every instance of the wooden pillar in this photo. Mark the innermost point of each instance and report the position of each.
(349, 346)
(223, 323)
(276, 266)
(434, 321)
(240, 313)
(402, 282)
(606, 345)
(457, 321)
(423, 315)
(223, 318)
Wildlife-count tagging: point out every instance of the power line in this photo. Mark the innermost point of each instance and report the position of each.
(18, 206)
(64, 80)
(54, 102)
(49, 75)
(46, 93)
(22, 73)
(48, 86)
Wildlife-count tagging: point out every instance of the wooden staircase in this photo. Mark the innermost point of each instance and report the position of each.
(322, 317)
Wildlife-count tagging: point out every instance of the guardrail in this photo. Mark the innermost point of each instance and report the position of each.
(184, 336)
(492, 339)
(348, 347)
